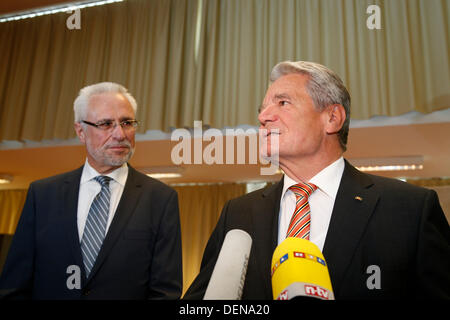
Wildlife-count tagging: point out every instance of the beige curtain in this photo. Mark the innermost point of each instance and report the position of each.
(11, 204)
(404, 66)
(200, 208)
(209, 60)
(145, 45)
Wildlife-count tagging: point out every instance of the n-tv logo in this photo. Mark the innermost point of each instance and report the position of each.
(316, 291)
(283, 295)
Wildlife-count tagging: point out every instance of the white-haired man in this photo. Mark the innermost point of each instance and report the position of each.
(360, 222)
(103, 231)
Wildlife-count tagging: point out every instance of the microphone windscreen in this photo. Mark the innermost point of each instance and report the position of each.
(299, 270)
(227, 279)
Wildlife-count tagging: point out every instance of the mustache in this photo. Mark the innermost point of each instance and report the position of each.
(126, 144)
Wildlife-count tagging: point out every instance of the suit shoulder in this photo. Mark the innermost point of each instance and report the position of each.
(401, 192)
(257, 195)
(395, 185)
(57, 179)
(385, 185)
(251, 196)
(150, 182)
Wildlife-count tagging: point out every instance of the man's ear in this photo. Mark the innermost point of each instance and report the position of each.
(80, 132)
(336, 118)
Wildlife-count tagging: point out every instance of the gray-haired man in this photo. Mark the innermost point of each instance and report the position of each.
(360, 222)
(103, 231)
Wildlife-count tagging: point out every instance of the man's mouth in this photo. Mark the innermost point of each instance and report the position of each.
(271, 132)
(119, 147)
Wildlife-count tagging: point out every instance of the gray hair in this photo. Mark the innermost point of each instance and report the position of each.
(324, 86)
(82, 101)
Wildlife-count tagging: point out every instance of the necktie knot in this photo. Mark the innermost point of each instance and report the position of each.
(103, 180)
(303, 190)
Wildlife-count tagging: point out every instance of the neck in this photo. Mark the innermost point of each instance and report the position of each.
(304, 168)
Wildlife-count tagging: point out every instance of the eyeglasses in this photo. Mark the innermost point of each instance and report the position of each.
(107, 125)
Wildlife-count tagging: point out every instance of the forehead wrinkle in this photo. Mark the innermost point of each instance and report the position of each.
(281, 96)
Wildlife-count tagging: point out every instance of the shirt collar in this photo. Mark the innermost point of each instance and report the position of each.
(327, 180)
(119, 175)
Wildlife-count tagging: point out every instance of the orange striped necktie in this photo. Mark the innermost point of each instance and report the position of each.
(300, 224)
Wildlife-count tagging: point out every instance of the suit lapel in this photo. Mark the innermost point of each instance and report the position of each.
(70, 191)
(124, 211)
(265, 222)
(354, 204)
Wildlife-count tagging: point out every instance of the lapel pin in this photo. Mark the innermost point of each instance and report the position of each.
(358, 198)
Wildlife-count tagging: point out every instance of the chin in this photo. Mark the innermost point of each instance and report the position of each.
(119, 159)
(116, 161)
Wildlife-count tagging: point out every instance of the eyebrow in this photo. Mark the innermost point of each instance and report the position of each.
(112, 120)
(281, 96)
(277, 97)
(126, 118)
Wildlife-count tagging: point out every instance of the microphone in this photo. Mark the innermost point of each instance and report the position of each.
(299, 270)
(228, 276)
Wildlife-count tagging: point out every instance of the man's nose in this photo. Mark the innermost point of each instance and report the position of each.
(118, 133)
(267, 114)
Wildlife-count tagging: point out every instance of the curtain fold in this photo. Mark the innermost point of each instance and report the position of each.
(11, 204)
(209, 60)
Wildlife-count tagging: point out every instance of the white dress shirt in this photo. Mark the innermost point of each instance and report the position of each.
(89, 188)
(321, 202)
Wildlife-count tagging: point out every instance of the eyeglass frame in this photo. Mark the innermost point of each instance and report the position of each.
(134, 124)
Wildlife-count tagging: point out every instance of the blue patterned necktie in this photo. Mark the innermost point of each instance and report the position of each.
(95, 228)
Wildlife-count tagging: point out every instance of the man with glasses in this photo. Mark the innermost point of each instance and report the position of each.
(103, 231)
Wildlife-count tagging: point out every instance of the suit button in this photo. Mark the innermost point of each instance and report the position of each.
(86, 292)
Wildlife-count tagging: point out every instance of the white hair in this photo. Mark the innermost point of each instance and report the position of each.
(324, 86)
(81, 103)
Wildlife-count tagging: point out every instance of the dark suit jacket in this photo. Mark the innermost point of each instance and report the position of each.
(140, 257)
(398, 227)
